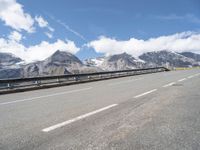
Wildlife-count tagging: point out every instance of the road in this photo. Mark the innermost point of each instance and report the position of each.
(152, 111)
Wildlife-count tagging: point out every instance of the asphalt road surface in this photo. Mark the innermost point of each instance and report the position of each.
(152, 111)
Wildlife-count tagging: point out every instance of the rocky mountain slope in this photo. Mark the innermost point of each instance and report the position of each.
(10, 66)
(94, 61)
(167, 58)
(194, 56)
(58, 64)
(149, 59)
(66, 63)
(122, 61)
(8, 60)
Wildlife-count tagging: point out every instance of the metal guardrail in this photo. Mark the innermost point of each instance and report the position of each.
(22, 84)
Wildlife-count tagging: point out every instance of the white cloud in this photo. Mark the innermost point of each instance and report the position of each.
(12, 46)
(45, 49)
(49, 35)
(13, 15)
(41, 22)
(44, 24)
(36, 52)
(185, 41)
(15, 36)
(51, 29)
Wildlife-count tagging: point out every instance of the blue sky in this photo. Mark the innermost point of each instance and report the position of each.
(84, 21)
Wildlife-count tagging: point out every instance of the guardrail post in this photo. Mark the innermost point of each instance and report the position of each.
(76, 78)
(8, 85)
(58, 80)
(37, 82)
(88, 77)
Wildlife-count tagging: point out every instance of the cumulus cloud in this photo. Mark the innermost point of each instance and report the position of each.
(36, 52)
(13, 15)
(41, 22)
(15, 36)
(44, 24)
(185, 41)
(44, 49)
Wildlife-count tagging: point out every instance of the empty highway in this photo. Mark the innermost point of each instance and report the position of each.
(152, 111)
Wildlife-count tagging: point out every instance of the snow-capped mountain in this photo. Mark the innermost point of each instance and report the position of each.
(57, 64)
(150, 59)
(122, 61)
(10, 66)
(167, 58)
(8, 60)
(94, 61)
(61, 63)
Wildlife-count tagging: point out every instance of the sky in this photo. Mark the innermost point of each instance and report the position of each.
(33, 30)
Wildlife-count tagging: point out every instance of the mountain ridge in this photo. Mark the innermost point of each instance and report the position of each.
(62, 62)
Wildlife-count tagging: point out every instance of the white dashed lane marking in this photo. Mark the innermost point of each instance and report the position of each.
(44, 96)
(143, 94)
(62, 124)
(169, 84)
(182, 80)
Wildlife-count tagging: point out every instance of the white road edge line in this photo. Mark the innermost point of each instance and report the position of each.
(143, 94)
(59, 125)
(170, 84)
(44, 96)
(182, 80)
(127, 81)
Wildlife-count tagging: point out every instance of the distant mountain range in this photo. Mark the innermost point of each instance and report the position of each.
(7, 59)
(58, 64)
(168, 59)
(122, 61)
(9, 66)
(66, 63)
(149, 59)
(194, 56)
